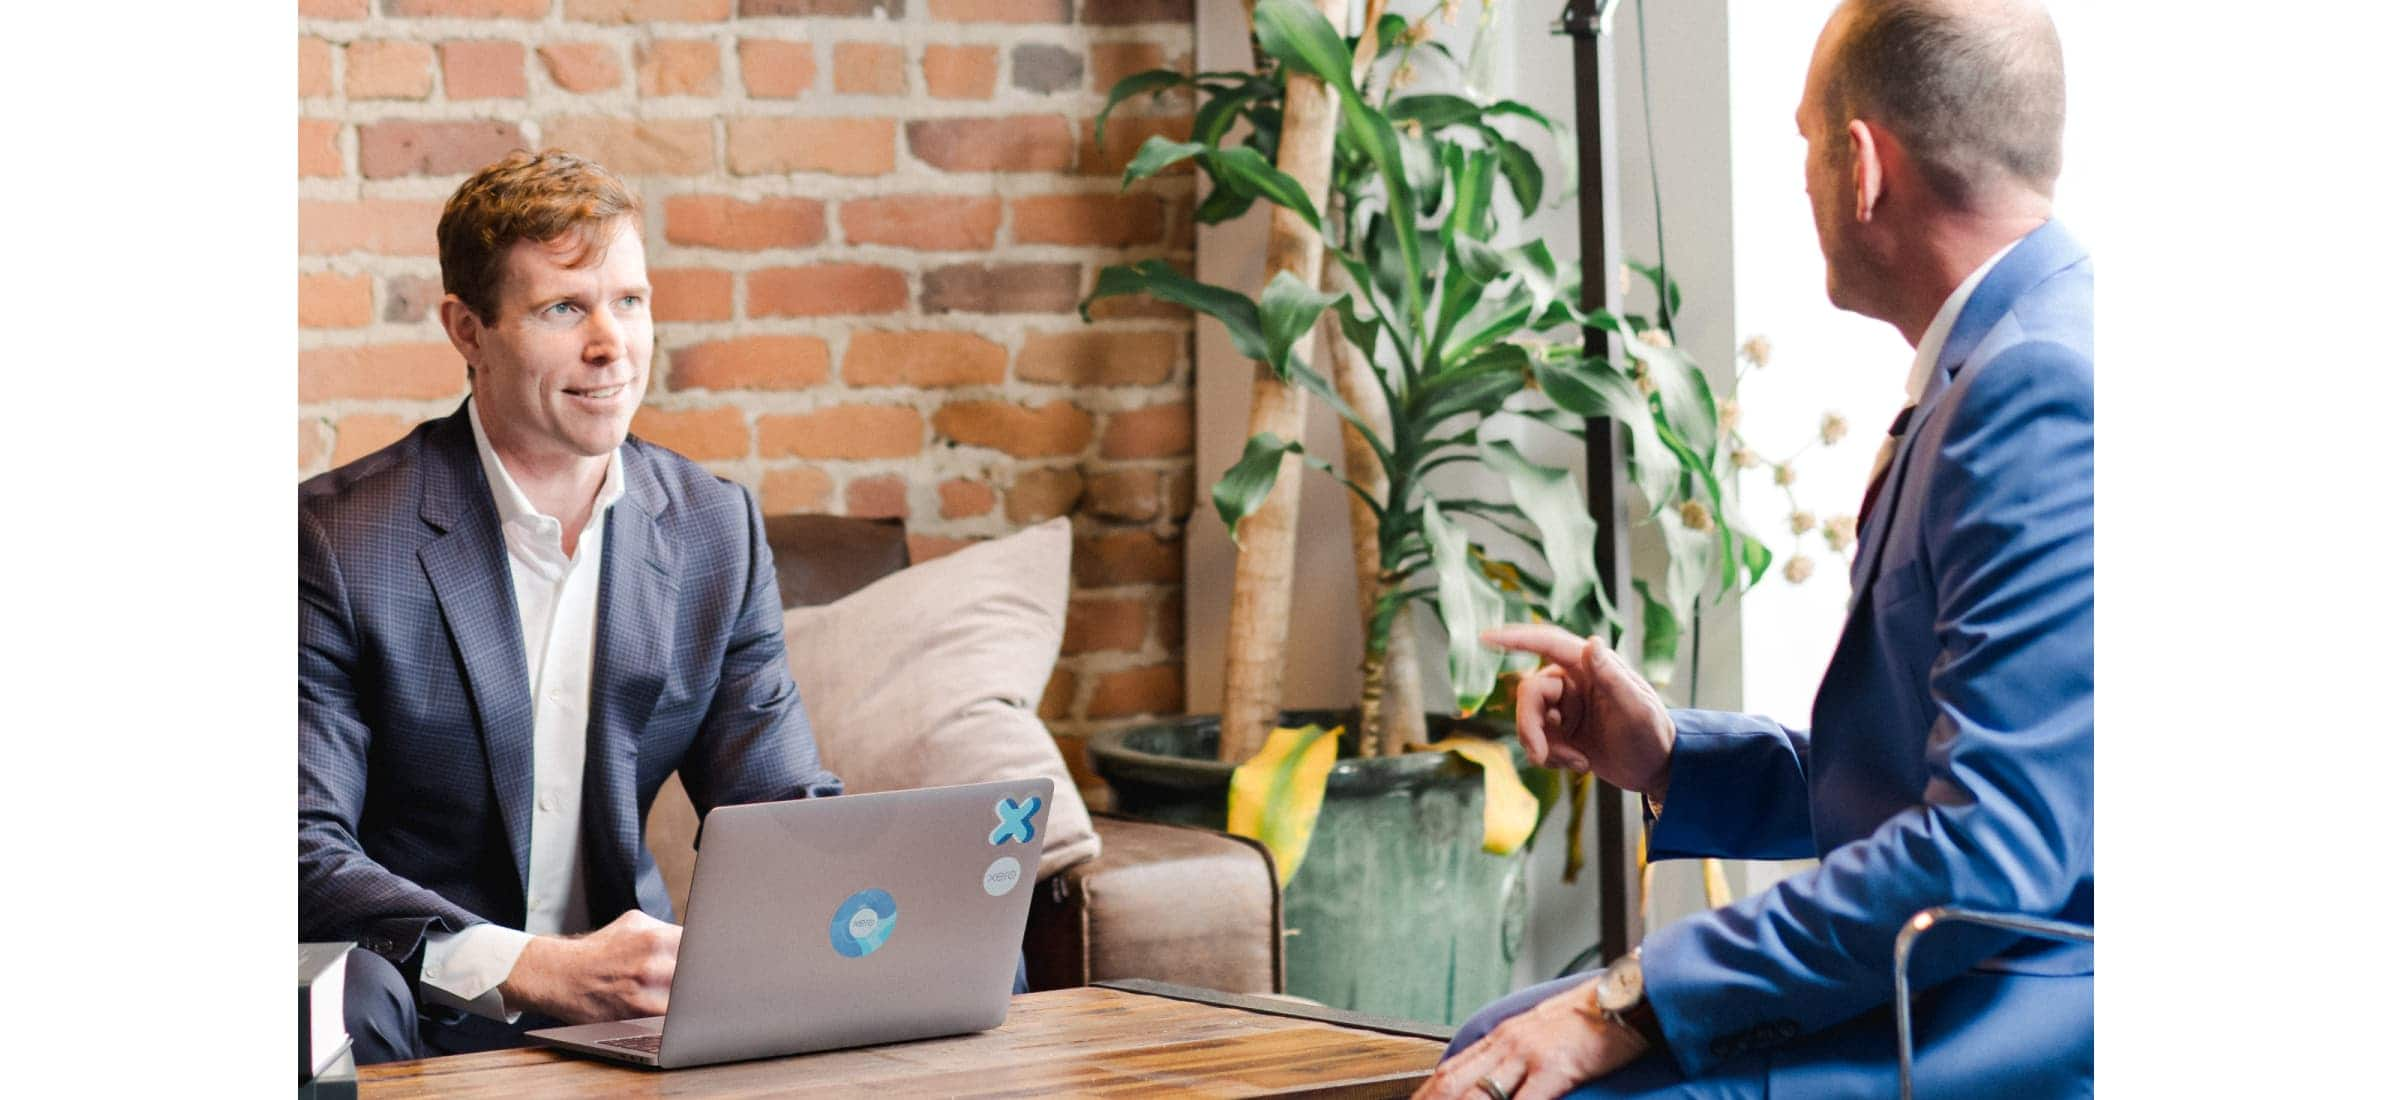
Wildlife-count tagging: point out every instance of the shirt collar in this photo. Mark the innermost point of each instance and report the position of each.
(1931, 344)
(512, 504)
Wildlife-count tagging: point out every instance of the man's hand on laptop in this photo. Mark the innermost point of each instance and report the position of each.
(619, 972)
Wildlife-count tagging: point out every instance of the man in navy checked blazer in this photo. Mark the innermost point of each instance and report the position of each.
(513, 625)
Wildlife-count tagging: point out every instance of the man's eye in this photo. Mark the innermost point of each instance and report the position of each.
(560, 308)
(632, 301)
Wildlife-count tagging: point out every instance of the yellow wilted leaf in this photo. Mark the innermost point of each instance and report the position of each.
(1276, 796)
(1511, 811)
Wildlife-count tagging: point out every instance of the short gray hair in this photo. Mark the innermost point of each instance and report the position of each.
(1971, 88)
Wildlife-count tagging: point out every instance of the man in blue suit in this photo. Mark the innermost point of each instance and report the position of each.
(514, 623)
(1949, 759)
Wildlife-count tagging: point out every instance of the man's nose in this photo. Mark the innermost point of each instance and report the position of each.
(606, 337)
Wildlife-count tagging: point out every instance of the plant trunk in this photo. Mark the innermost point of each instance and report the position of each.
(1258, 596)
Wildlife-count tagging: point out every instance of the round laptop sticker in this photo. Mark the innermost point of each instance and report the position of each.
(1001, 876)
(863, 923)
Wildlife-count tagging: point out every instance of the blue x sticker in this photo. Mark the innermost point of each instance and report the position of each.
(1013, 821)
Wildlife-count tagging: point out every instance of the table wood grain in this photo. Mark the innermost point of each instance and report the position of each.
(1069, 1042)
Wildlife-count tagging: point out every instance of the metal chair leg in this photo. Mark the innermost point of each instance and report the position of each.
(1925, 919)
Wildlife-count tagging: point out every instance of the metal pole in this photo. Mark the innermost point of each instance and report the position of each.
(1585, 21)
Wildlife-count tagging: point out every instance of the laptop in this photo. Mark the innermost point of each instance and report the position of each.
(839, 922)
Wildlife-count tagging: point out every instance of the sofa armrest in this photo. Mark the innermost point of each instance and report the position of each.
(1171, 903)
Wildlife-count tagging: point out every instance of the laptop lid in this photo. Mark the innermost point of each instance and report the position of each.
(865, 918)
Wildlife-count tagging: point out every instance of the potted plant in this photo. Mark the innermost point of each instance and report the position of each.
(1446, 335)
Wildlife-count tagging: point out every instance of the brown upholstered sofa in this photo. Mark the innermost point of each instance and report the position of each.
(1163, 902)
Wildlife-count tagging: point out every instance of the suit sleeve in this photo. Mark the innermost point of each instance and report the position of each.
(755, 744)
(1737, 790)
(2005, 822)
(344, 894)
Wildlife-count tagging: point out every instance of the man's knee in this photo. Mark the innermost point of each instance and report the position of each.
(378, 1008)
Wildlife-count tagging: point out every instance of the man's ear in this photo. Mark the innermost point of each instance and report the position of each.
(1868, 169)
(465, 330)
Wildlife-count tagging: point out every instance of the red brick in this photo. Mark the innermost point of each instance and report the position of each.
(333, 9)
(1152, 690)
(877, 497)
(479, 68)
(868, 68)
(1108, 62)
(468, 9)
(389, 227)
(1001, 288)
(1055, 702)
(1099, 357)
(1125, 557)
(385, 69)
(1115, 13)
(410, 298)
(922, 359)
(1055, 428)
(1042, 493)
(690, 294)
(753, 363)
(841, 431)
(702, 435)
(336, 301)
(1123, 136)
(1013, 143)
(1159, 431)
(680, 67)
(1112, 221)
(1004, 11)
(775, 69)
(421, 371)
(825, 290)
(794, 489)
(315, 67)
(315, 443)
(848, 9)
(582, 67)
(665, 147)
(1130, 496)
(1097, 625)
(718, 221)
(959, 72)
(647, 11)
(838, 146)
(1171, 621)
(320, 147)
(361, 434)
(922, 548)
(961, 499)
(936, 223)
(404, 147)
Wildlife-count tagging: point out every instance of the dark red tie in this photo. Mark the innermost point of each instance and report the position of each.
(1893, 439)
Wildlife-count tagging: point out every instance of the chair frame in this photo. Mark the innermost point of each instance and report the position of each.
(1925, 919)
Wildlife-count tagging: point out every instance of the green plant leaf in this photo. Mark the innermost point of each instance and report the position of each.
(1156, 154)
(1552, 501)
(1433, 111)
(1222, 106)
(1473, 177)
(1289, 309)
(1659, 659)
(1690, 562)
(1301, 38)
(1520, 170)
(1235, 311)
(1222, 205)
(1593, 389)
(1516, 109)
(1303, 375)
(1242, 490)
(1469, 604)
(1152, 80)
(1246, 170)
(1685, 396)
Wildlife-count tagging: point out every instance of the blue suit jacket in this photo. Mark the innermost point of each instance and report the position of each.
(1950, 755)
(415, 710)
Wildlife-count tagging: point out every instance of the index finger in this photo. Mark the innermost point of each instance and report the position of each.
(1543, 639)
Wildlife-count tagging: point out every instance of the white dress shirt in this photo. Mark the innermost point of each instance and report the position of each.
(557, 598)
(1931, 342)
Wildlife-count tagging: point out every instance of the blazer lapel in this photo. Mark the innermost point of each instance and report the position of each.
(638, 593)
(468, 570)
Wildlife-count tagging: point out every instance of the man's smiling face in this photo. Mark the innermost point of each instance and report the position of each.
(563, 362)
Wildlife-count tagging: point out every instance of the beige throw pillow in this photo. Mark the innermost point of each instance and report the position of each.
(931, 676)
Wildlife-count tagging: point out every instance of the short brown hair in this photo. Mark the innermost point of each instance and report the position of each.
(539, 197)
(1970, 88)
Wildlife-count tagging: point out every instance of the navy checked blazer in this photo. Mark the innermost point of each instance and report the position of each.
(415, 710)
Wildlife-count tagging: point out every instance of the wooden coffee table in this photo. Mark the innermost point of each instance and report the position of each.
(1116, 1039)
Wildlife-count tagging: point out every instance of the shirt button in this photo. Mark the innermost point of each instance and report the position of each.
(548, 803)
(532, 901)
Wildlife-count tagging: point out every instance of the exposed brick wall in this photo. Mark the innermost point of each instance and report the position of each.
(868, 223)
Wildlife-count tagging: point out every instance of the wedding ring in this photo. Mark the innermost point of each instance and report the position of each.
(1494, 1091)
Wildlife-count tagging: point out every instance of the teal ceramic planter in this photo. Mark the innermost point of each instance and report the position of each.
(1396, 910)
